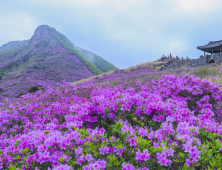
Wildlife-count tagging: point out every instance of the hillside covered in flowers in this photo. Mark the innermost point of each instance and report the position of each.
(171, 122)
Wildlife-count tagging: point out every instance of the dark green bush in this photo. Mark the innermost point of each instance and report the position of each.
(33, 89)
(21, 94)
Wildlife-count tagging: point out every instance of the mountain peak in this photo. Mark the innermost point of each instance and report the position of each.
(43, 39)
(44, 28)
(48, 57)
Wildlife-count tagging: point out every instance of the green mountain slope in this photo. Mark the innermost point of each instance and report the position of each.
(98, 61)
(66, 43)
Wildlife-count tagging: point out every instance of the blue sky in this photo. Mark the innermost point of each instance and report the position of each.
(124, 32)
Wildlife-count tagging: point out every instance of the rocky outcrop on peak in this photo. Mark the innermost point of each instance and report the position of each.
(42, 40)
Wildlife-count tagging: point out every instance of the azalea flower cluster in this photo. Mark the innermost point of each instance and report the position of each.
(169, 123)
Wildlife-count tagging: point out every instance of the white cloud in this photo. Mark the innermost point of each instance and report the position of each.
(16, 27)
(96, 2)
(196, 6)
(177, 45)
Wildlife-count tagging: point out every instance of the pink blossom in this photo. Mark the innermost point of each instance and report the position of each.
(78, 151)
(127, 166)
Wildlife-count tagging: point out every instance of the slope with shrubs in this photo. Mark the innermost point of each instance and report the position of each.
(143, 72)
(97, 66)
(170, 122)
(42, 61)
(151, 70)
(66, 43)
(42, 70)
(97, 61)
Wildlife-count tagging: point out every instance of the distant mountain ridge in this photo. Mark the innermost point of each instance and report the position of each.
(12, 45)
(47, 58)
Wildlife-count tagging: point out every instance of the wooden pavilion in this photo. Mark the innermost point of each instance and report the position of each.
(212, 47)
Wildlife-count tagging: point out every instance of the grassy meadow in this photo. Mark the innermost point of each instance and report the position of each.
(206, 72)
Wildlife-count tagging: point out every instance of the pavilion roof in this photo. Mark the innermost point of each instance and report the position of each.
(216, 46)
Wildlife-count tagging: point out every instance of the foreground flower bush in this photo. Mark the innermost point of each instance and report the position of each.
(170, 123)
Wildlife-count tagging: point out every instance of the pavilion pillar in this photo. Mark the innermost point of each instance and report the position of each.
(204, 53)
(212, 52)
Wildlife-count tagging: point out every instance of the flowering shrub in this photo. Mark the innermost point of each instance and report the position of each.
(169, 123)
